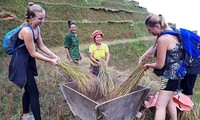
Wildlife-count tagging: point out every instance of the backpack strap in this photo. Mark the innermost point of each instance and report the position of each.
(172, 39)
(33, 37)
(37, 29)
(174, 31)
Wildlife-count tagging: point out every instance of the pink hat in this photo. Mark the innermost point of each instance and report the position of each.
(183, 102)
(95, 33)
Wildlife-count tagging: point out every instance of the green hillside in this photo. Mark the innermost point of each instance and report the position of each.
(118, 19)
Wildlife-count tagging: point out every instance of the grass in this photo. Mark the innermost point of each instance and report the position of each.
(88, 20)
(126, 55)
(97, 3)
(53, 34)
(16, 7)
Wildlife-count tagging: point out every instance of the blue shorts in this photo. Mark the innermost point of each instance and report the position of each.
(187, 84)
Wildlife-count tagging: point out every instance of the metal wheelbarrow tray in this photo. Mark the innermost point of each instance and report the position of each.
(124, 107)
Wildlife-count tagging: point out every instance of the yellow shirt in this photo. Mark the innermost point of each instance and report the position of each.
(98, 54)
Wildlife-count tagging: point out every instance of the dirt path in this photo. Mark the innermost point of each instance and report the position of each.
(85, 62)
(85, 46)
(60, 51)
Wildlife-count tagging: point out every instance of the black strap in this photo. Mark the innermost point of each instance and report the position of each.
(33, 33)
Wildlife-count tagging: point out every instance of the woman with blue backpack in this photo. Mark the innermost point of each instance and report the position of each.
(22, 68)
(167, 50)
(190, 41)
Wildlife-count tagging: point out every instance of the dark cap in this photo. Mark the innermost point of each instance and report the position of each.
(70, 22)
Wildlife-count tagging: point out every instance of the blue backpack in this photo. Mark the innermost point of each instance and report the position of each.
(191, 45)
(10, 41)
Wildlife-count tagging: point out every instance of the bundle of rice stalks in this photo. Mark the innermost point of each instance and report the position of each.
(82, 78)
(194, 114)
(131, 82)
(105, 83)
(187, 115)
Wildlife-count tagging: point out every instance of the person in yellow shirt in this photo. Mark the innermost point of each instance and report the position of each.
(97, 52)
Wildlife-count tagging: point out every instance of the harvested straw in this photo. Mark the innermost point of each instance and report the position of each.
(83, 79)
(131, 82)
(105, 83)
(187, 115)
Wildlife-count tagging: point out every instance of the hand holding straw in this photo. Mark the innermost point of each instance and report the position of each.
(131, 82)
(83, 79)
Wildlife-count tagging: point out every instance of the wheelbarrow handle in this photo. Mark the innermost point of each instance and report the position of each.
(102, 114)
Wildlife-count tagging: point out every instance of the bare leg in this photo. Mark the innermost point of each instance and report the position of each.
(172, 110)
(161, 104)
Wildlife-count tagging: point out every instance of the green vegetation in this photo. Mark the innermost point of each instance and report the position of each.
(112, 4)
(125, 55)
(15, 7)
(117, 19)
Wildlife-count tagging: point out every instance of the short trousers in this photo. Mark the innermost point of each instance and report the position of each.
(169, 84)
(94, 69)
(187, 84)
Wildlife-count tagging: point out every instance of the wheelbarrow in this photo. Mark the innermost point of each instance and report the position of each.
(120, 108)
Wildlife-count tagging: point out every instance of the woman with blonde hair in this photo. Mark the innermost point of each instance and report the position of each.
(168, 51)
(22, 68)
